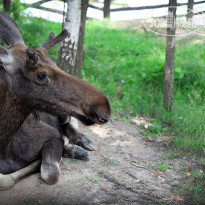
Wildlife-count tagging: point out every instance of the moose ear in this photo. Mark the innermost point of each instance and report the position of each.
(6, 60)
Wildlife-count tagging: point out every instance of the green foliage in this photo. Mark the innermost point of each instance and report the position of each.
(95, 179)
(163, 166)
(135, 61)
(35, 32)
(110, 161)
(27, 199)
(194, 186)
(16, 9)
(73, 160)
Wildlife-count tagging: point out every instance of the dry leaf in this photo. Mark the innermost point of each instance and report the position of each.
(201, 171)
(179, 198)
(104, 189)
(138, 181)
(188, 174)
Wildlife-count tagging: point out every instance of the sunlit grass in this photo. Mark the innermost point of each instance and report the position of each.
(135, 61)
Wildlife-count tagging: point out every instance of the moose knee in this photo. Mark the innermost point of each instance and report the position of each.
(50, 172)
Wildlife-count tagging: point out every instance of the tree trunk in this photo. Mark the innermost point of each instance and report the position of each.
(80, 51)
(169, 62)
(7, 5)
(106, 9)
(71, 51)
(190, 9)
(68, 50)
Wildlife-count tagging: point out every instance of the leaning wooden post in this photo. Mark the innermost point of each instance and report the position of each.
(106, 9)
(190, 9)
(169, 61)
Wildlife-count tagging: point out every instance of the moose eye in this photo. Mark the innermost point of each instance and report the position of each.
(41, 79)
(41, 76)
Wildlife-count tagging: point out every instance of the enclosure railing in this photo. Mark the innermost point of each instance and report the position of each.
(38, 5)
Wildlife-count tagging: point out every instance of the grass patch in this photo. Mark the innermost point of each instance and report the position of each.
(194, 186)
(163, 166)
(35, 32)
(127, 65)
(134, 61)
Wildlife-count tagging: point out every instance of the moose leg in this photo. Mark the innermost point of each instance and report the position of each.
(51, 156)
(9, 180)
(73, 151)
(77, 137)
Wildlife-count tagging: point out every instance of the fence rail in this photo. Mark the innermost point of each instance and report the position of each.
(143, 7)
(37, 5)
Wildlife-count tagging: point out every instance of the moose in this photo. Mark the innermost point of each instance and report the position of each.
(30, 81)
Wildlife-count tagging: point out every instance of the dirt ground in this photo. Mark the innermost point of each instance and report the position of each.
(123, 170)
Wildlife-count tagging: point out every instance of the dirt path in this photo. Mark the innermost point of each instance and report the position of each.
(109, 177)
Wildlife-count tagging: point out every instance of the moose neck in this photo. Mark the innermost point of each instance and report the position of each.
(12, 112)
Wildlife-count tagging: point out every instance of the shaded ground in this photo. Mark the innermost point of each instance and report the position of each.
(112, 176)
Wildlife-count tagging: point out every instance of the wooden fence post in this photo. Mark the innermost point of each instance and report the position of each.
(7, 5)
(169, 61)
(106, 9)
(190, 9)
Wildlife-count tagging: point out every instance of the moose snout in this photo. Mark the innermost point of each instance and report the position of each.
(102, 117)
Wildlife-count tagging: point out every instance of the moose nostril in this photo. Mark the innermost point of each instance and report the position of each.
(102, 119)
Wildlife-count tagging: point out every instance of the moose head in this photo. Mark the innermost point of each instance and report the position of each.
(37, 81)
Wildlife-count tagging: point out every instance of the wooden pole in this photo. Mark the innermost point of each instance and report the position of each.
(169, 61)
(106, 9)
(7, 5)
(190, 9)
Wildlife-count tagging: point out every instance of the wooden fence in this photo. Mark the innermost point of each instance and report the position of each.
(38, 5)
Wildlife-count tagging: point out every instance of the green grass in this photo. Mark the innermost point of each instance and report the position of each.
(35, 32)
(194, 186)
(135, 61)
(163, 166)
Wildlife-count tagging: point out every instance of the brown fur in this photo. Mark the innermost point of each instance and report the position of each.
(23, 89)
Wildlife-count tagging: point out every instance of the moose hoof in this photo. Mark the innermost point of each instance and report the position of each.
(50, 172)
(75, 152)
(80, 153)
(87, 144)
(6, 182)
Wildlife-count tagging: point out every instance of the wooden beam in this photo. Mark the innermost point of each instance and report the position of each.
(151, 7)
(49, 9)
(43, 8)
(39, 2)
(36, 5)
(95, 7)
